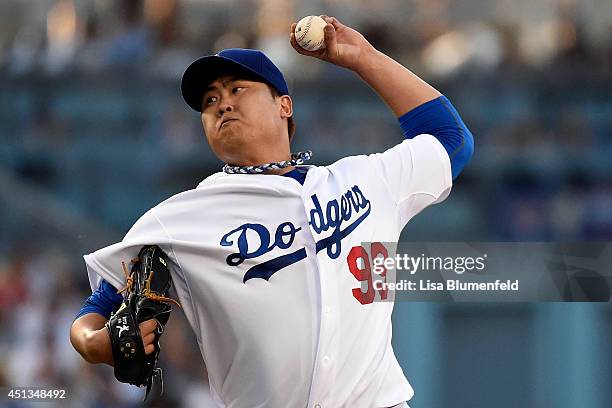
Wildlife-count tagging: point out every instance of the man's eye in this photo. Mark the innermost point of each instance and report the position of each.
(236, 89)
(211, 99)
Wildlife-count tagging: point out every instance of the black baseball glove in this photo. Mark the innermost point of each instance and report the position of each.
(145, 296)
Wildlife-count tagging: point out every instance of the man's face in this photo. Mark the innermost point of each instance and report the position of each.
(241, 119)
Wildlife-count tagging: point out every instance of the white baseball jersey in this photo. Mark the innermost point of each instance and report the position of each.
(271, 275)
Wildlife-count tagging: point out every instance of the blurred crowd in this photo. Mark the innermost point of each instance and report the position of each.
(54, 37)
(93, 132)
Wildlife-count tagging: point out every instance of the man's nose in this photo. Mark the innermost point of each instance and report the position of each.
(225, 106)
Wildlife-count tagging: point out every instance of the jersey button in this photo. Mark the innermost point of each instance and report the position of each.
(326, 360)
(317, 406)
(327, 310)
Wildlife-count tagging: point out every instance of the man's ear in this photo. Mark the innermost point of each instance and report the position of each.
(286, 105)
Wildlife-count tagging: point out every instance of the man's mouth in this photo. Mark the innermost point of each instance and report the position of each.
(226, 121)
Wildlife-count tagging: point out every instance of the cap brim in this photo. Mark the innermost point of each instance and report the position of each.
(205, 70)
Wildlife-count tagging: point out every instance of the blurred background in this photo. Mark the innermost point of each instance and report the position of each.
(93, 132)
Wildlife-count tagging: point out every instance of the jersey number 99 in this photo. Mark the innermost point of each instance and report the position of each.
(359, 263)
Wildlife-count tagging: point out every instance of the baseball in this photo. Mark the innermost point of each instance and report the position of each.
(309, 33)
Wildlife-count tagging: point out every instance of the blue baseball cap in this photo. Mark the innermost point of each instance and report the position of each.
(246, 63)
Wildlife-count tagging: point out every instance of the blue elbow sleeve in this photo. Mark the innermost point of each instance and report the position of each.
(104, 301)
(440, 119)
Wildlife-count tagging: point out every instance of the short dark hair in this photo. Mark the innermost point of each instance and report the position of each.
(290, 122)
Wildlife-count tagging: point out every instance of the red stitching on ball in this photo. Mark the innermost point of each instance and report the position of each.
(306, 29)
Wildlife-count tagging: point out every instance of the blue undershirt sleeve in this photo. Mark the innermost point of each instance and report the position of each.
(440, 119)
(103, 301)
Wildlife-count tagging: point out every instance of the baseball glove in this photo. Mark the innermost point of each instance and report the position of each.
(145, 296)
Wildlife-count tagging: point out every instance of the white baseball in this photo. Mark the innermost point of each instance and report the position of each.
(309, 33)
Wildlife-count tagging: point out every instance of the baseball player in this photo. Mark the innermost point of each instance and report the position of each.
(267, 256)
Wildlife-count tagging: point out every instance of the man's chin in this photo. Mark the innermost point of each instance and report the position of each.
(234, 149)
(232, 138)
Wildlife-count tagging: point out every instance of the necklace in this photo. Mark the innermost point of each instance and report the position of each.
(296, 159)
